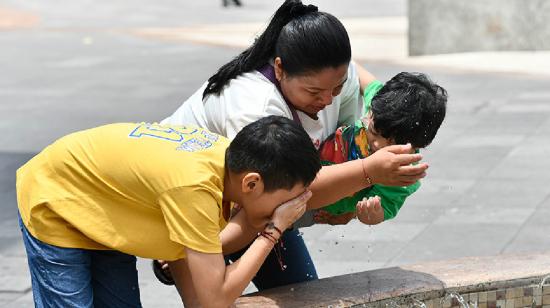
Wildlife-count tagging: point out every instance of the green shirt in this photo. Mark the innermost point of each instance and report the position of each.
(392, 197)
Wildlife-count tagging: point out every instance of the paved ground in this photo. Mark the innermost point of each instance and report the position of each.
(70, 65)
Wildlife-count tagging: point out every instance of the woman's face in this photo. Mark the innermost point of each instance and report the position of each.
(313, 92)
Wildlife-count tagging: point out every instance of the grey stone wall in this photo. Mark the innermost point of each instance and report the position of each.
(448, 26)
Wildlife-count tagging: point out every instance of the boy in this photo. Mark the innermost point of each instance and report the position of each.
(407, 109)
(93, 200)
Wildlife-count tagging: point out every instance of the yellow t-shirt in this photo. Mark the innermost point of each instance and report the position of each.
(142, 189)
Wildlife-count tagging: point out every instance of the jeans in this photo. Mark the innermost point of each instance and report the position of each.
(299, 266)
(71, 277)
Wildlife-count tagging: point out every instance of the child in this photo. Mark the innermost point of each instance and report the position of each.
(407, 109)
(93, 200)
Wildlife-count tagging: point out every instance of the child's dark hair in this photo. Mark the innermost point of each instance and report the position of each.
(409, 109)
(305, 39)
(278, 149)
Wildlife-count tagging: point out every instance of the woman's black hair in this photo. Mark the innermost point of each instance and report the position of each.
(305, 39)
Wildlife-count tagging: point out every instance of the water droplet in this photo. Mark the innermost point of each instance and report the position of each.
(417, 303)
(544, 280)
(392, 304)
(449, 296)
(87, 40)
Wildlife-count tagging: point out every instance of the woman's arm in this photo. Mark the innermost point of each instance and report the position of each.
(365, 77)
(388, 166)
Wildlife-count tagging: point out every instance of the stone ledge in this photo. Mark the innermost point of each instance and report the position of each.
(423, 281)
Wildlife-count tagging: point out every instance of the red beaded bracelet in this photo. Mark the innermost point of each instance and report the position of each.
(268, 236)
(271, 225)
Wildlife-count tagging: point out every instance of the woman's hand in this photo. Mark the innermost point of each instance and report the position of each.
(324, 217)
(369, 211)
(287, 213)
(391, 166)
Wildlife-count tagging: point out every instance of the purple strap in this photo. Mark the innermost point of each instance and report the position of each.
(269, 72)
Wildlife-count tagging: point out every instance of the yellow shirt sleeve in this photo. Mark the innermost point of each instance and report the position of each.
(192, 216)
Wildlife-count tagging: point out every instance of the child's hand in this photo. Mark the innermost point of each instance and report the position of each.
(369, 211)
(287, 213)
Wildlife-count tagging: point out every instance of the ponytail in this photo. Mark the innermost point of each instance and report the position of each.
(262, 50)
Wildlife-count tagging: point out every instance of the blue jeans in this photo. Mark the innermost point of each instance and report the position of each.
(299, 266)
(70, 277)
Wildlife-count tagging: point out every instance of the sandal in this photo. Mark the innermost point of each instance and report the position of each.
(161, 275)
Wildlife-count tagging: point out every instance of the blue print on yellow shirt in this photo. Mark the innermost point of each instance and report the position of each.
(188, 138)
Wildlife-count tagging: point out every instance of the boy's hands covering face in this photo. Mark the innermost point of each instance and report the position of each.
(287, 213)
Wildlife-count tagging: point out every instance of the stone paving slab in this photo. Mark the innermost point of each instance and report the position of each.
(390, 32)
(533, 233)
(15, 274)
(454, 241)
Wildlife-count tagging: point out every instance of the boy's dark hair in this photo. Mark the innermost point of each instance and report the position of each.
(278, 149)
(409, 109)
(305, 39)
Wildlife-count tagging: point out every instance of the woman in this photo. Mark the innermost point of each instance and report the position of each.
(299, 67)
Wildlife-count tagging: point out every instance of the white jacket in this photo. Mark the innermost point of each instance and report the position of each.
(251, 96)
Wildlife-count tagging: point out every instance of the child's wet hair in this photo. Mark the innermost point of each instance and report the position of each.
(409, 108)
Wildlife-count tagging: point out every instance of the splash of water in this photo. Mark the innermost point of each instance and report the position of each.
(418, 304)
(458, 297)
(540, 285)
(392, 304)
(543, 281)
